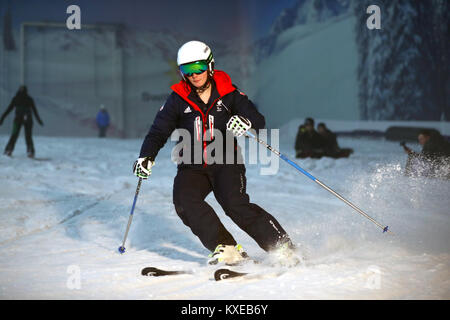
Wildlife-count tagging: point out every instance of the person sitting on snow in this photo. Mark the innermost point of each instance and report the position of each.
(309, 144)
(330, 144)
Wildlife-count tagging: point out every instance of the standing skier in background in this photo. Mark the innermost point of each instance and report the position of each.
(203, 101)
(24, 105)
(102, 120)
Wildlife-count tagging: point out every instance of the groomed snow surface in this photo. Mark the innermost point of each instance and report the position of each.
(62, 220)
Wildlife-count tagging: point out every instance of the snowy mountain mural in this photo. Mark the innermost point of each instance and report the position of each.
(302, 13)
(309, 11)
(323, 61)
(307, 66)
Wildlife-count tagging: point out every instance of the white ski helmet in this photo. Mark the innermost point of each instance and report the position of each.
(195, 51)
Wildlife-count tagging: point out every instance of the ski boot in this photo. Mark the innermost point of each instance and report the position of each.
(8, 153)
(228, 254)
(285, 256)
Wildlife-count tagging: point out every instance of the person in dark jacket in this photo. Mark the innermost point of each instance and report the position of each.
(25, 107)
(204, 104)
(309, 144)
(299, 139)
(330, 144)
(433, 160)
(433, 144)
(102, 120)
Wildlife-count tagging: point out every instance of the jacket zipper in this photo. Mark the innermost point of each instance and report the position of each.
(204, 118)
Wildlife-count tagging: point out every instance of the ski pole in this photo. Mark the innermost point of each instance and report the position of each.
(296, 166)
(122, 247)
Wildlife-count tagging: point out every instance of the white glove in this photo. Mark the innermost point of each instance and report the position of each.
(238, 125)
(143, 167)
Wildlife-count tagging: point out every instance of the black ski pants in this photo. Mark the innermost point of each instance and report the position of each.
(27, 122)
(228, 182)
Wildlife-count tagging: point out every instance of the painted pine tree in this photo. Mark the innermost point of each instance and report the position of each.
(434, 22)
(362, 39)
(406, 98)
(403, 68)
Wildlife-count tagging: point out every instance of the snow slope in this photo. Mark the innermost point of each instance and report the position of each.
(68, 214)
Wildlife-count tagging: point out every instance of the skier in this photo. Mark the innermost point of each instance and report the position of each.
(24, 105)
(203, 103)
(102, 120)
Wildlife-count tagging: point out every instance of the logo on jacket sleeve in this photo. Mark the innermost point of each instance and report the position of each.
(187, 110)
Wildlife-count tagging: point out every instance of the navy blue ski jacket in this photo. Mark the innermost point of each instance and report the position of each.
(182, 112)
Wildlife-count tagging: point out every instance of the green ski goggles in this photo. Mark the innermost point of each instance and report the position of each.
(197, 67)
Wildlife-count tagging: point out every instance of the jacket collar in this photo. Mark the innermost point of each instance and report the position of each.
(223, 84)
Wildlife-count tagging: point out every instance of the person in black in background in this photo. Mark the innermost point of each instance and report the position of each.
(433, 160)
(24, 105)
(309, 144)
(330, 144)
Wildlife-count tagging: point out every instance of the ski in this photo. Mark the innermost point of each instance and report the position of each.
(222, 274)
(155, 272)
